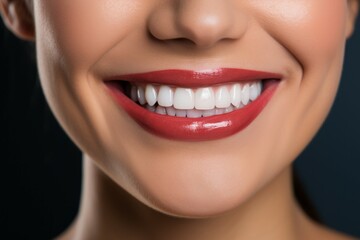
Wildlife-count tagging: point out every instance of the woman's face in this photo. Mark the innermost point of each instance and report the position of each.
(170, 164)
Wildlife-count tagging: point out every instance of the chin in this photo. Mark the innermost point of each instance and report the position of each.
(194, 203)
(196, 188)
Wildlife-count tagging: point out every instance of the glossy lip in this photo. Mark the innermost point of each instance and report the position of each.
(193, 79)
(195, 129)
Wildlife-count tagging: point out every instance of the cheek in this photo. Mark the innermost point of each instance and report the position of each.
(71, 37)
(314, 33)
(79, 32)
(317, 28)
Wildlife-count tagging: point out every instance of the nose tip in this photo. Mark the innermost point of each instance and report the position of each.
(202, 22)
(205, 30)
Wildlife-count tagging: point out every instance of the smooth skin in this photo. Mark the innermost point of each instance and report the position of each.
(140, 186)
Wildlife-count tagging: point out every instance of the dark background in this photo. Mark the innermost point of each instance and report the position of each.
(41, 168)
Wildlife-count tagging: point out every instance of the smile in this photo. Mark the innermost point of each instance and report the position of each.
(194, 106)
(194, 103)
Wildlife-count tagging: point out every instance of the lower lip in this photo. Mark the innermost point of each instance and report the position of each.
(194, 129)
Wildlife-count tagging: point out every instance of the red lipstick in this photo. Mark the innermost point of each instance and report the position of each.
(191, 79)
(195, 129)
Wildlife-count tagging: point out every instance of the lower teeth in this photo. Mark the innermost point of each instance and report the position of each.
(193, 113)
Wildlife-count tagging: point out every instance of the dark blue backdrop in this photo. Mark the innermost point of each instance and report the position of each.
(42, 168)
(330, 166)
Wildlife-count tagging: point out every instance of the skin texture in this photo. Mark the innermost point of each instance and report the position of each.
(141, 186)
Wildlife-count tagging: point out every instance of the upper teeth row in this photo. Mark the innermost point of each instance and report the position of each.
(205, 98)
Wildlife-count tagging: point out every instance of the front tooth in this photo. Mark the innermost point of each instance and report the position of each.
(141, 95)
(184, 99)
(219, 111)
(253, 91)
(171, 111)
(208, 113)
(180, 113)
(166, 96)
(204, 99)
(222, 98)
(150, 95)
(235, 94)
(193, 113)
(134, 93)
(245, 94)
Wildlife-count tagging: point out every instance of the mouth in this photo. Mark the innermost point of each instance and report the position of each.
(194, 106)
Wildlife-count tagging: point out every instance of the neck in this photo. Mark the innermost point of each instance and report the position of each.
(107, 212)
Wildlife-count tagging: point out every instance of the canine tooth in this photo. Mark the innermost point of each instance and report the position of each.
(235, 94)
(160, 110)
(208, 113)
(150, 95)
(219, 111)
(171, 111)
(204, 99)
(184, 99)
(141, 95)
(165, 96)
(253, 91)
(180, 113)
(245, 94)
(134, 93)
(222, 98)
(193, 113)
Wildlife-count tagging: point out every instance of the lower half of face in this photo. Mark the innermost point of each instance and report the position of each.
(191, 106)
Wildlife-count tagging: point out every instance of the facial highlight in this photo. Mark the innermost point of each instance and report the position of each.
(252, 80)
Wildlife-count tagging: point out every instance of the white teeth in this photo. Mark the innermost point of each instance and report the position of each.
(184, 99)
(171, 111)
(204, 99)
(235, 94)
(180, 113)
(259, 85)
(193, 113)
(141, 95)
(160, 110)
(229, 109)
(195, 103)
(245, 94)
(222, 98)
(253, 91)
(166, 96)
(150, 95)
(208, 113)
(219, 111)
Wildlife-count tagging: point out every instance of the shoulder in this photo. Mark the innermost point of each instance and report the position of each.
(312, 230)
(326, 233)
(317, 231)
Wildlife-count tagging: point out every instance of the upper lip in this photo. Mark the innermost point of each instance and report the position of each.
(190, 78)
